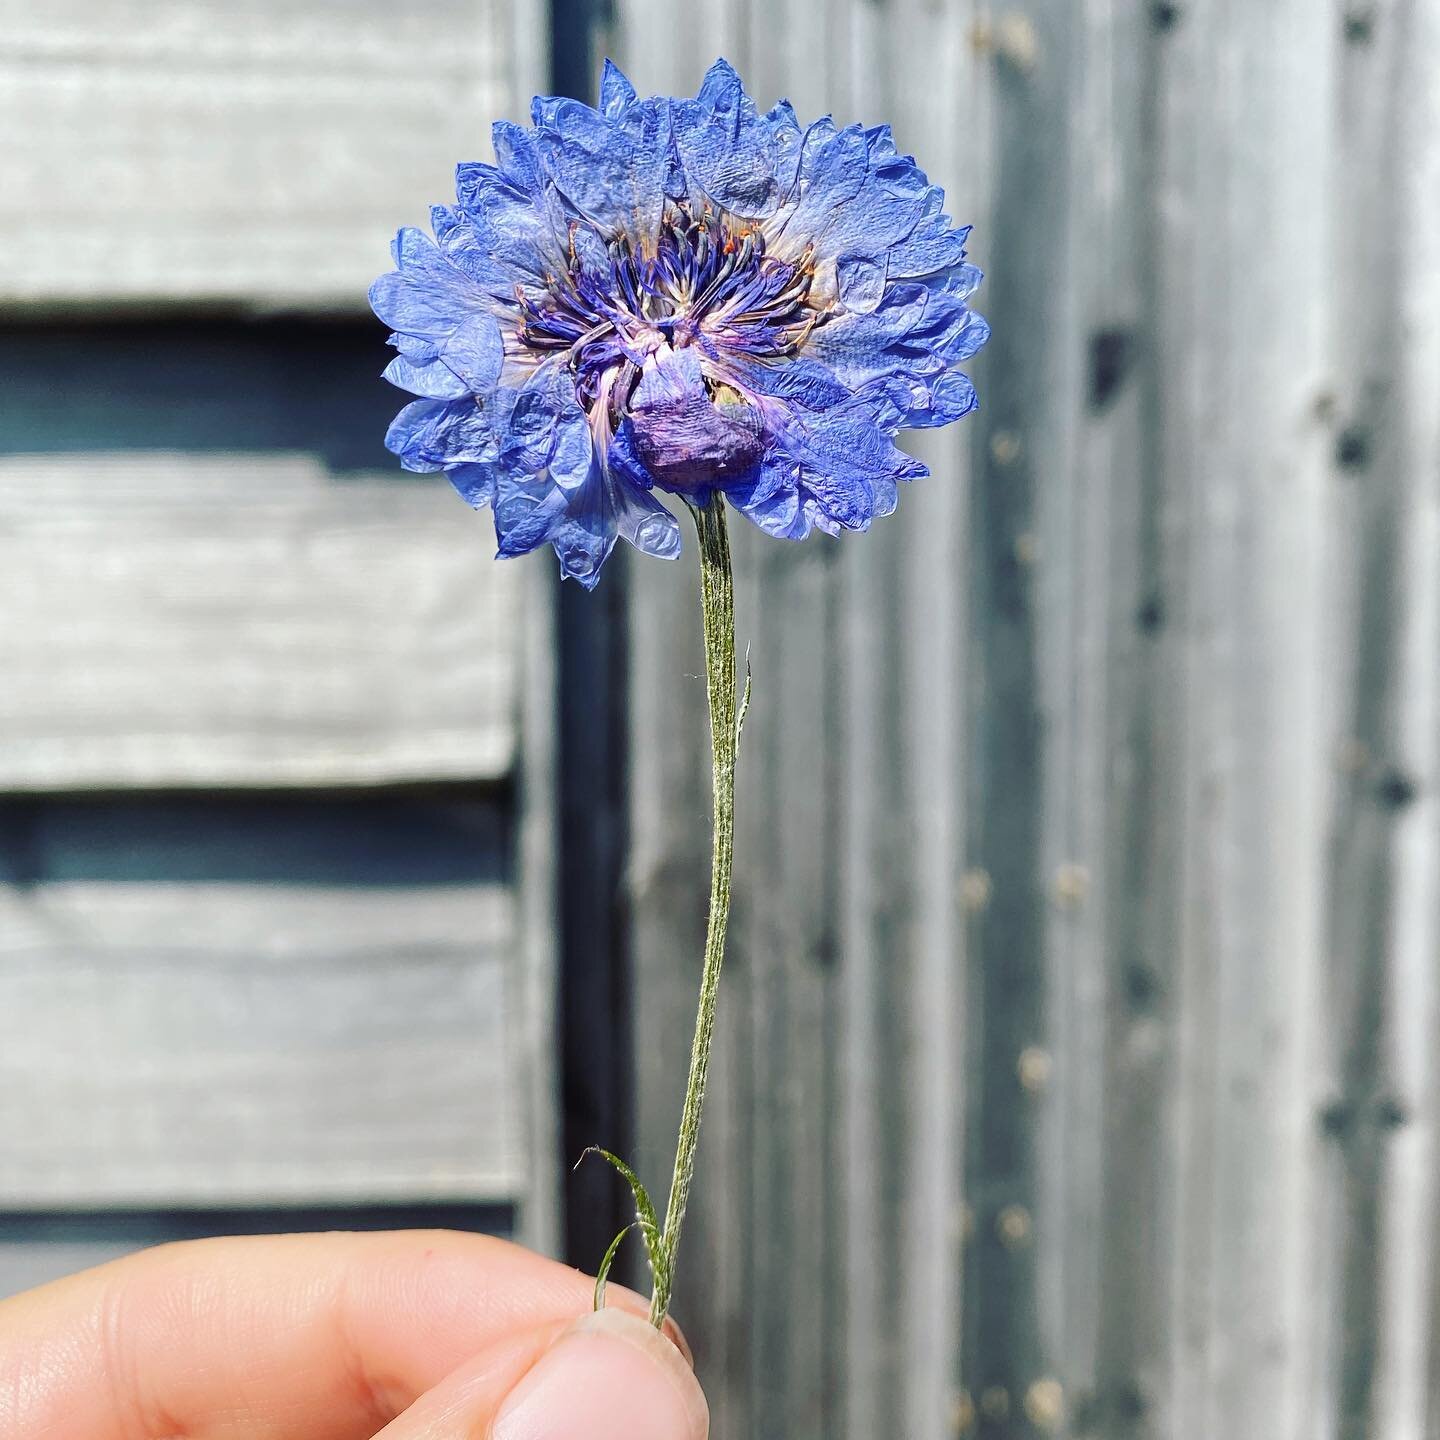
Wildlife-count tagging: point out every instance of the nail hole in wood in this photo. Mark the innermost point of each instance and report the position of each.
(1110, 356)
(1142, 987)
(1390, 1112)
(1352, 447)
(1129, 1402)
(1360, 27)
(1395, 789)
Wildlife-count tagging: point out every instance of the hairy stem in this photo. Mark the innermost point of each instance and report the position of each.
(717, 594)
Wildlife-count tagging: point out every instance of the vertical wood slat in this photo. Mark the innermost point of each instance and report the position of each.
(1407, 1402)
(824, 1208)
(1242, 372)
(1382, 1001)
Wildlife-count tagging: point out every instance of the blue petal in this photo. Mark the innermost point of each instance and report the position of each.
(833, 168)
(606, 509)
(511, 231)
(853, 198)
(835, 470)
(581, 526)
(475, 483)
(624, 461)
(517, 157)
(422, 352)
(616, 92)
(542, 426)
(430, 434)
(611, 171)
(914, 335)
(427, 296)
(527, 510)
(402, 437)
(726, 148)
(434, 380)
(861, 283)
(796, 380)
(475, 352)
(772, 499)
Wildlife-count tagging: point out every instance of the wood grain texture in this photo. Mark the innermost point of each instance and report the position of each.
(259, 153)
(228, 620)
(194, 1015)
(820, 1273)
(1381, 1013)
(535, 1001)
(1121, 856)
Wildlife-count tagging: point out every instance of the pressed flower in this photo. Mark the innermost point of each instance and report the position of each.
(679, 296)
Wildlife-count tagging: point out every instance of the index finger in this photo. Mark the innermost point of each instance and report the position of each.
(325, 1337)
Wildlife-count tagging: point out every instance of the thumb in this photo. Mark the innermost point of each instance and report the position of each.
(610, 1376)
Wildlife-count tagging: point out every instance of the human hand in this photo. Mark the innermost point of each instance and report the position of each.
(412, 1335)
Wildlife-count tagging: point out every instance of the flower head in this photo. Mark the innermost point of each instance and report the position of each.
(678, 296)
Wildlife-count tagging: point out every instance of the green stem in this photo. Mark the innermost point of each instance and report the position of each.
(717, 595)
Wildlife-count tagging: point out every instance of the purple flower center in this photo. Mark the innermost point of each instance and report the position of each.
(709, 285)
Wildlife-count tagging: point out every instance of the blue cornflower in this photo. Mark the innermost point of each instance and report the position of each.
(683, 296)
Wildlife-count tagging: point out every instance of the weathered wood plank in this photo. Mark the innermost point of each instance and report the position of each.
(1245, 363)
(824, 1236)
(1380, 1117)
(763, 1231)
(1015, 562)
(903, 652)
(183, 620)
(312, 1005)
(258, 153)
(540, 1039)
(1199, 739)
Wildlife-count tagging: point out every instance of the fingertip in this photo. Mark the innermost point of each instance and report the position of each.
(677, 1338)
(610, 1376)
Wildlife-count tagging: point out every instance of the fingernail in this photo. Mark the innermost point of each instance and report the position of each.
(610, 1377)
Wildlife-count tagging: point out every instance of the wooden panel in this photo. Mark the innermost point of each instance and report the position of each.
(538, 1038)
(258, 152)
(1153, 700)
(246, 620)
(1382, 1010)
(258, 1006)
(820, 1280)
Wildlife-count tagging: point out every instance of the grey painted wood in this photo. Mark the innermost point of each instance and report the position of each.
(1244, 365)
(1086, 890)
(820, 1278)
(1381, 998)
(536, 970)
(259, 153)
(215, 580)
(224, 1039)
(247, 620)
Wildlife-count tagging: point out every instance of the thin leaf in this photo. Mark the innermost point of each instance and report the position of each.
(603, 1273)
(744, 698)
(647, 1221)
